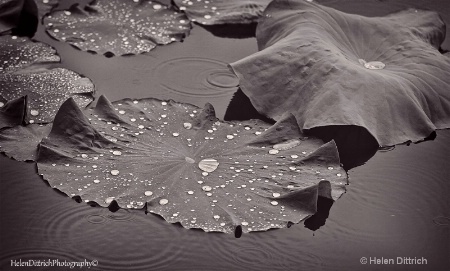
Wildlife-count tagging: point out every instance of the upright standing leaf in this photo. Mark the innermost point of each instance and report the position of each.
(189, 167)
(331, 68)
(18, 17)
(12, 113)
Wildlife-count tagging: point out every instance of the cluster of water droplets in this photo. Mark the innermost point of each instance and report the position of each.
(210, 12)
(118, 27)
(25, 69)
(208, 177)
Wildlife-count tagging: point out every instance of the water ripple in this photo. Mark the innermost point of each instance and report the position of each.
(196, 77)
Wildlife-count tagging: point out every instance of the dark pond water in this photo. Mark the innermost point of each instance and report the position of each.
(397, 204)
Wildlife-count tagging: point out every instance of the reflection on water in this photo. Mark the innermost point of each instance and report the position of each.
(396, 204)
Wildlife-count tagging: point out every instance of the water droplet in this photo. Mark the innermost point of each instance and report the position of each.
(206, 188)
(276, 195)
(84, 155)
(274, 203)
(2, 104)
(163, 201)
(121, 112)
(68, 13)
(175, 134)
(34, 112)
(208, 165)
(187, 125)
(294, 156)
(190, 192)
(372, 65)
(117, 152)
(273, 151)
(148, 193)
(330, 168)
(217, 217)
(157, 6)
(244, 223)
(109, 200)
(189, 160)
(163, 116)
(114, 172)
(207, 16)
(287, 145)
(205, 173)
(339, 174)
(230, 136)
(96, 181)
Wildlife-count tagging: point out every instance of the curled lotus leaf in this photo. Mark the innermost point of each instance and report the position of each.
(117, 26)
(26, 70)
(12, 113)
(18, 17)
(210, 12)
(182, 163)
(21, 142)
(327, 67)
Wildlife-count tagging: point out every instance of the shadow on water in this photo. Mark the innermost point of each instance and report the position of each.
(233, 31)
(320, 217)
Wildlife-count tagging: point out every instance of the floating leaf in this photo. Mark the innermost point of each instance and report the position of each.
(12, 113)
(18, 17)
(21, 142)
(209, 12)
(117, 26)
(25, 69)
(209, 174)
(331, 68)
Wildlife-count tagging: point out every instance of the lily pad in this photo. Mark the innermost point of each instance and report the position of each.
(12, 113)
(209, 12)
(182, 163)
(21, 142)
(327, 67)
(18, 17)
(118, 27)
(26, 70)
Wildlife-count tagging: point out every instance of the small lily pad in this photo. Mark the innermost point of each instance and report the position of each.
(25, 70)
(210, 12)
(118, 27)
(213, 175)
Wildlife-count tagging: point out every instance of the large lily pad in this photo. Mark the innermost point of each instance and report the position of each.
(331, 68)
(117, 26)
(189, 167)
(26, 70)
(209, 12)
